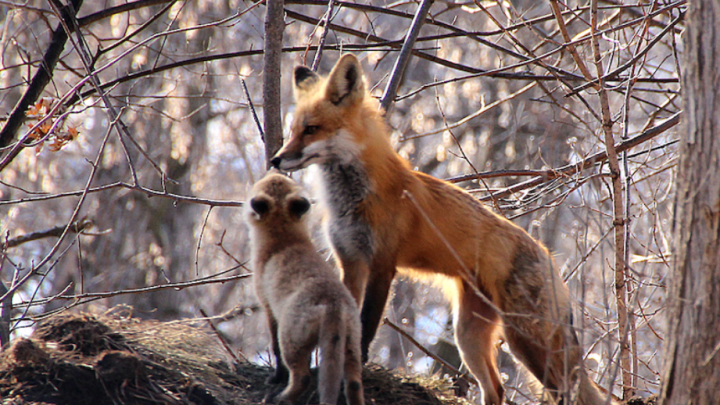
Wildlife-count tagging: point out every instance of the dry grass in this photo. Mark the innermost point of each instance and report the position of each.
(116, 359)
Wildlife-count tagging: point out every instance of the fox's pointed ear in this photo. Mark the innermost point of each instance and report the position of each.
(345, 82)
(304, 78)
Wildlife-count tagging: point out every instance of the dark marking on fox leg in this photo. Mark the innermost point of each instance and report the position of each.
(376, 294)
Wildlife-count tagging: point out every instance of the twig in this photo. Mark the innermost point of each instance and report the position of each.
(498, 173)
(149, 192)
(566, 37)
(323, 37)
(73, 217)
(82, 50)
(501, 71)
(615, 72)
(472, 116)
(498, 73)
(366, 7)
(583, 164)
(122, 8)
(252, 110)
(396, 75)
(137, 30)
(618, 212)
(75, 227)
(199, 243)
(469, 378)
(72, 94)
(219, 336)
(42, 76)
(88, 297)
(5, 308)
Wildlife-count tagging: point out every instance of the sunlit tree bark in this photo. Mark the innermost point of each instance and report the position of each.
(692, 370)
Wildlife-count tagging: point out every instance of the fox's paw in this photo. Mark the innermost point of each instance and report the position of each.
(272, 398)
(272, 395)
(280, 376)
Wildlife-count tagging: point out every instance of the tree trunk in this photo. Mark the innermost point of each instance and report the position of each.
(692, 362)
(272, 107)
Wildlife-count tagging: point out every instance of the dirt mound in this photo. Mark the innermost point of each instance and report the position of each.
(115, 359)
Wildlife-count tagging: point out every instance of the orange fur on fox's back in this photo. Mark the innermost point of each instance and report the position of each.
(382, 216)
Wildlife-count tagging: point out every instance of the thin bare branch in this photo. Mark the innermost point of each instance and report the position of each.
(582, 165)
(466, 376)
(323, 37)
(396, 75)
(42, 76)
(619, 223)
(566, 37)
(220, 337)
(472, 116)
(252, 110)
(56, 232)
(148, 191)
(5, 308)
(613, 74)
(80, 299)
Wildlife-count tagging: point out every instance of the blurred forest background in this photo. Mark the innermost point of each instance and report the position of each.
(123, 175)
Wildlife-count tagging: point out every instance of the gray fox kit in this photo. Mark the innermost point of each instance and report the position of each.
(307, 305)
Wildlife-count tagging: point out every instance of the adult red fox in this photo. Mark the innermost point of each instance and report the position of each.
(383, 217)
(306, 304)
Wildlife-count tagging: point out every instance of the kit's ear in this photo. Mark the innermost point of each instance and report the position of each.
(299, 206)
(260, 206)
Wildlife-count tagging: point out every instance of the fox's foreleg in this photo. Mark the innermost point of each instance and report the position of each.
(370, 287)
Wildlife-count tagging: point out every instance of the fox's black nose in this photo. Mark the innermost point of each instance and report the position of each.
(275, 162)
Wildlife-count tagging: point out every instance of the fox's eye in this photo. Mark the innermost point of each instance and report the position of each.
(310, 129)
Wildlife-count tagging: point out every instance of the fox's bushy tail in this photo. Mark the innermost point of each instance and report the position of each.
(332, 342)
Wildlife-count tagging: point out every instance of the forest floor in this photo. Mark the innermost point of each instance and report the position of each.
(85, 359)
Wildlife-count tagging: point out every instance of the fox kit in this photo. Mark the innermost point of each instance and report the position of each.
(306, 303)
(383, 217)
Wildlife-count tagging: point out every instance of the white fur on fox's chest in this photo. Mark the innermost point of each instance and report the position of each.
(342, 185)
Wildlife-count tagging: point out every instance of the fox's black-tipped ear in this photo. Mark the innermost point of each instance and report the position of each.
(299, 206)
(304, 78)
(345, 82)
(260, 206)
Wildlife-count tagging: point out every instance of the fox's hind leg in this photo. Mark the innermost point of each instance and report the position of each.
(476, 331)
(546, 342)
